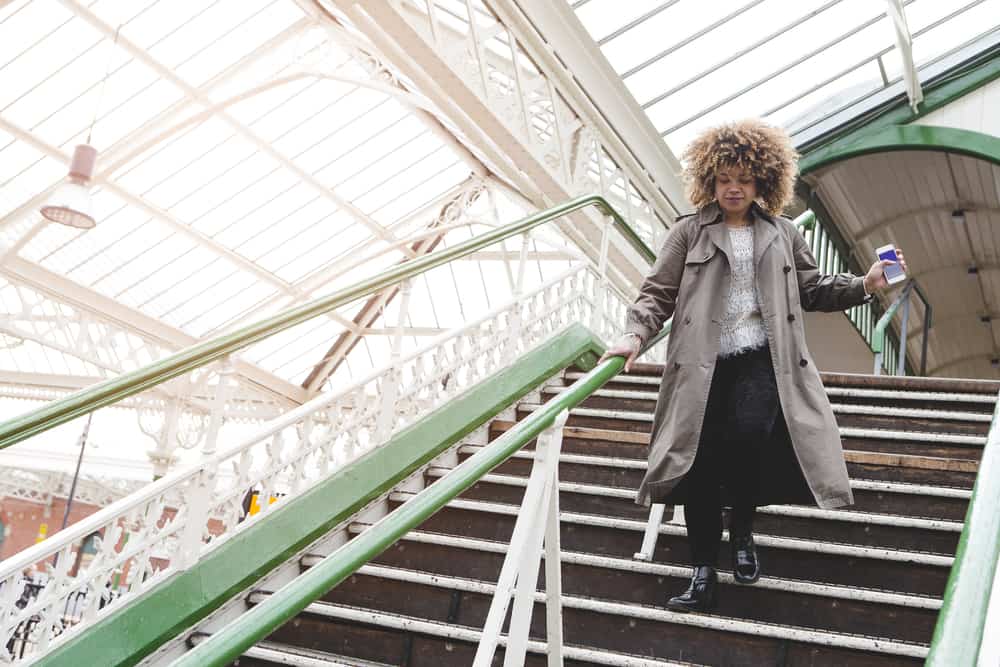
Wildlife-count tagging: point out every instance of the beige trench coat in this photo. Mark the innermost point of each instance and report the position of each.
(690, 280)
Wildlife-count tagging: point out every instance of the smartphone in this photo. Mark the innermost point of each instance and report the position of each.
(894, 272)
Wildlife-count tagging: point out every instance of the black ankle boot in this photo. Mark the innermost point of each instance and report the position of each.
(700, 595)
(746, 566)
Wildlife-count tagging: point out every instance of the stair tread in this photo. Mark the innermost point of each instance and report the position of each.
(768, 582)
(416, 624)
(854, 516)
(847, 431)
(652, 373)
(659, 614)
(843, 408)
(310, 657)
(641, 464)
(796, 543)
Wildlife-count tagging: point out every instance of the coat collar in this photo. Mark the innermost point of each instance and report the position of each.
(765, 229)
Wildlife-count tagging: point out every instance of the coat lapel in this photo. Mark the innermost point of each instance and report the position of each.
(711, 220)
(764, 234)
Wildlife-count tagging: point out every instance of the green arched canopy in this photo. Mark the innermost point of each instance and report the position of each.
(906, 138)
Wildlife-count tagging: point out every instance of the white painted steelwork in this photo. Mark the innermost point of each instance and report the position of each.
(42, 487)
(537, 525)
(169, 524)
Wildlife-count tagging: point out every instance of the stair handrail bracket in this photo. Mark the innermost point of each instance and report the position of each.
(537, 525)
(879, 332)
(960, 630)
(168, 525)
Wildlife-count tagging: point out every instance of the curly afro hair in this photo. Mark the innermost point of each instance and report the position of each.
(766, 151)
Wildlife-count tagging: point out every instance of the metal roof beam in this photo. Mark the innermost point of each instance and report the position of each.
(59, 288)
(176, 225)
(986, 356)
(944, 209)
(595, 89)
(904, 42)
(194, 93)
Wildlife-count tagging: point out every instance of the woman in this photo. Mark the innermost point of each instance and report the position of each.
(742, 418)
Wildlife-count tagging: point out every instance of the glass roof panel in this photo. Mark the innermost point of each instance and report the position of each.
(690, 64)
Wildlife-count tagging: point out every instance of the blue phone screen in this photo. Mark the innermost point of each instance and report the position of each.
(894, 269)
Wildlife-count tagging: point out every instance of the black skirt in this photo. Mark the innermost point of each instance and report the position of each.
(744, 446)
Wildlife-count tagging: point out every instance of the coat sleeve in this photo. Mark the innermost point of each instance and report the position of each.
(658, 293)
(828, 293)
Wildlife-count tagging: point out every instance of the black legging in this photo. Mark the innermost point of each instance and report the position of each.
(741, 411)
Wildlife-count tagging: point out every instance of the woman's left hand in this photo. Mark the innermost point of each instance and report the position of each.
(875, 278)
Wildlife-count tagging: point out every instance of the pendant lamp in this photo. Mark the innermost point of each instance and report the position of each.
(71, 202)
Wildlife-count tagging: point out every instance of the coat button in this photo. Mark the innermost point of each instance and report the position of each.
(677, 365)
(803, 363)
(787, 268)
(687, 320)
(791, 318)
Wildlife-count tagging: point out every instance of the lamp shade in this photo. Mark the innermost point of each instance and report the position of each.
(71, 203)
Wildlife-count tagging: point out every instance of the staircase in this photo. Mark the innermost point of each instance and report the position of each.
(853, 586)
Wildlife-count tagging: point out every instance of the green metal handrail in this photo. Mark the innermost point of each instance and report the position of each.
(127, 384)
(961, 623)
(229, 643)
(878, 336)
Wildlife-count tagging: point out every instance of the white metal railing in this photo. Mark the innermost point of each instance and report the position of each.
(170, 524)
(537, 524)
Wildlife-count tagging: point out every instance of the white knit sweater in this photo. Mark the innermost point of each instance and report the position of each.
(742, 326)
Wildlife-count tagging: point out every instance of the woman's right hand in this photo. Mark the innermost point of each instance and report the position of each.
(626, 346)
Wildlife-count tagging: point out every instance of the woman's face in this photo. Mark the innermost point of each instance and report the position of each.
(735, 190)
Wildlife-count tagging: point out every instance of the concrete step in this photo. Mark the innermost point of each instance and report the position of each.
(903, 571)
(611, 626)
(771, 600)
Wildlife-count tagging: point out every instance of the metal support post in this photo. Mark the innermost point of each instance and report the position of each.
(390, 388)
(218, 407)
(537, 521)
(196, 501)
(515, 313)
(597, 325)
(901, 359)
(652, 531)
(923, 342)
(79, 462)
